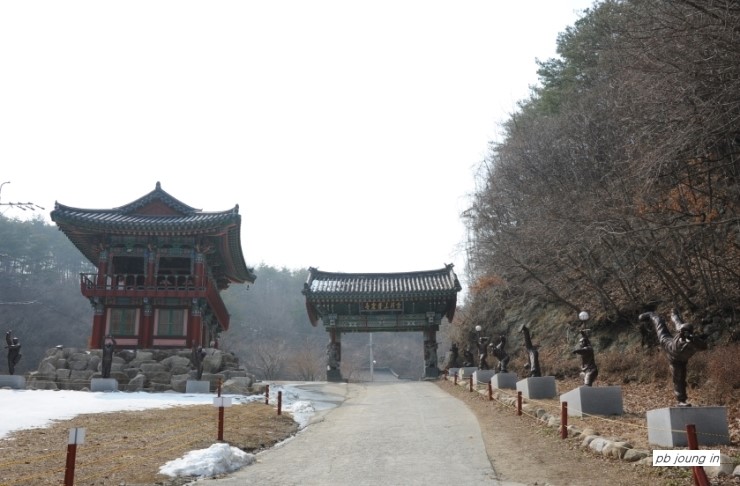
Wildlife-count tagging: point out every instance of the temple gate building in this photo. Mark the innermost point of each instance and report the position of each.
(161, 267)
(381, 302)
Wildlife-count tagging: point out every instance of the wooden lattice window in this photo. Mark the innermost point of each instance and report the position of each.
(170, 322)
(123, 322)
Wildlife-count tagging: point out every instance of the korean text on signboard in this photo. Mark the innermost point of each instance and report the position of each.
(382, 305)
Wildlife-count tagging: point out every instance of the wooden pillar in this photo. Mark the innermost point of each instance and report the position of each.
(336, 340)
(431, 369)
(151, 267)
(146, 334)
(195, 326)
(102, 270)
(98, 328)
(199, 270)
(334, 356)
(196, 334)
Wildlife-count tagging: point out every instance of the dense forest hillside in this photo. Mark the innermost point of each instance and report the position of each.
(615, 186)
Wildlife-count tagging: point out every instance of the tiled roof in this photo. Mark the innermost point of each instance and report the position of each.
(117, 222)
(157, 214)
(179, 218)
(339, 286)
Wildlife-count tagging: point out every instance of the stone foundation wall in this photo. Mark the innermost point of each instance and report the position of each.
(156, 370)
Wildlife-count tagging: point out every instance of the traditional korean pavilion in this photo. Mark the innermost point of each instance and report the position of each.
(161, 267)
(387, 302)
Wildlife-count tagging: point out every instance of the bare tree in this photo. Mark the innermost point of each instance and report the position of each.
(307, 362)
(267, 357)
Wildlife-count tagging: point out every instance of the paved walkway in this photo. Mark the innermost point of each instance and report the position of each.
(382, 433)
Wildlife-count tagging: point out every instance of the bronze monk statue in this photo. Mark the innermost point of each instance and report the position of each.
(108, 348)
(499, 351)
(678, 349)
(588, 363)
(532, 352)
(14, 351)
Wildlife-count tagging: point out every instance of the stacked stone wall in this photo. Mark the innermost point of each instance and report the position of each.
(156, 370)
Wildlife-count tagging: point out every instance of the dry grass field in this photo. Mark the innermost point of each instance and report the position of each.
(128, 448)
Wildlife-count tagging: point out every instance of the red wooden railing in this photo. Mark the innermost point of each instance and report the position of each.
(160, 286)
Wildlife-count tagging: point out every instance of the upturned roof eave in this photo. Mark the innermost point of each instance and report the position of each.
(80, 224)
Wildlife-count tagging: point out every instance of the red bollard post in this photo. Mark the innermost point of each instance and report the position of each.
(700, 476)
(219, 387)
(518, 403)
(76, 436)
(280, 403)
(69, 471)
(490, 391)
(455, 378)
(470, 383)
(267, 394)
(221, 403)
(221, 423)
(564, 420)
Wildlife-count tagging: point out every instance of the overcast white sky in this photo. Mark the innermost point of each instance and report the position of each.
(346, 131)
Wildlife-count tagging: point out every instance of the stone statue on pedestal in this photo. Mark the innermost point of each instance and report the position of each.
(499, 351)
(589, 371)
(483, 352)
(454, 356)
(678, 349)
(467, 357)
(109, 347)
(14, 351)
(197, 357)
(532, 353)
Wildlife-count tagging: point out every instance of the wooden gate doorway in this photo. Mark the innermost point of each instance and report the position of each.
(381, 302)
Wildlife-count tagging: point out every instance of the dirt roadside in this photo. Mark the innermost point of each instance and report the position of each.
(524, 450)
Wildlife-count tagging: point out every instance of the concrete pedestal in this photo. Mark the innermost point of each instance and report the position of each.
(667, 426)
(504, 380)
(483, 377)
(594, 400)
(197, 386)
(465, 372)
(452, 373)
(16, 382)
(103, 385)
(537, 387)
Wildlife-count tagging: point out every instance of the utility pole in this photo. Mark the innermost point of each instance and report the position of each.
(372, 360)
